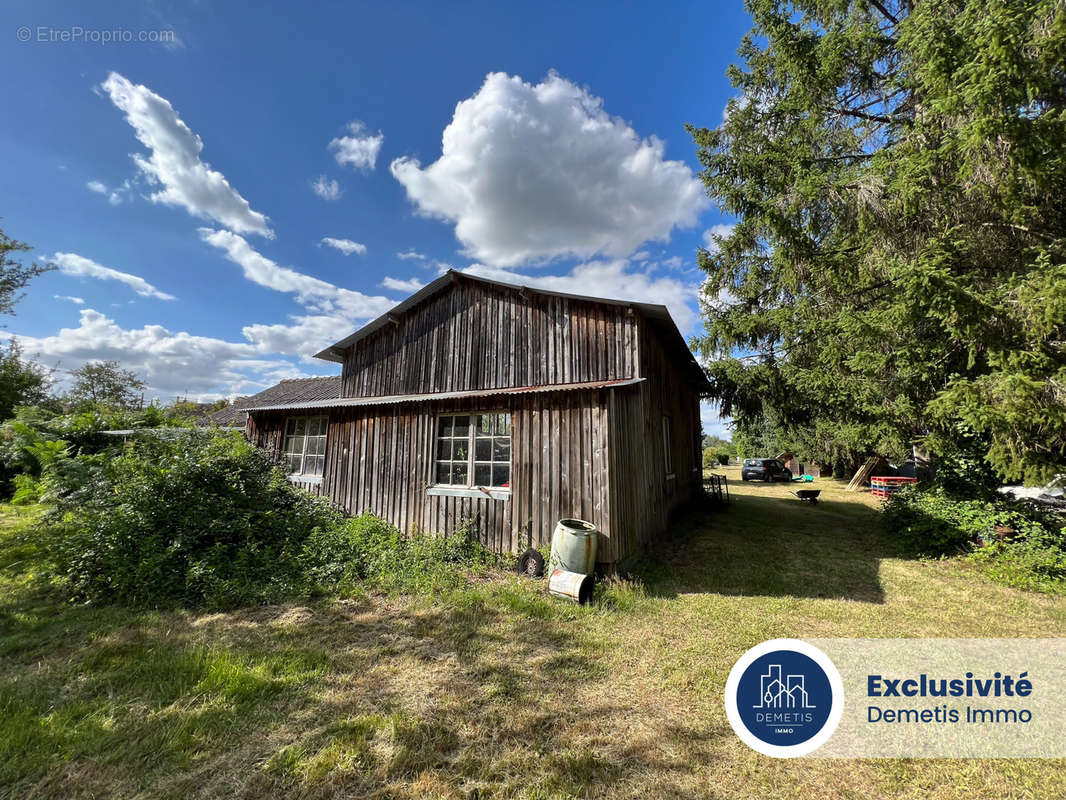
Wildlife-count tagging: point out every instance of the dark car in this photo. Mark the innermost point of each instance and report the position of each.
(765, 469)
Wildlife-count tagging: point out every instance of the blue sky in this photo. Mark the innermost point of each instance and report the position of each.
(226, 203)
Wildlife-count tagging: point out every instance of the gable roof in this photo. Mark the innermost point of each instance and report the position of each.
(657, 316)
(286, 393)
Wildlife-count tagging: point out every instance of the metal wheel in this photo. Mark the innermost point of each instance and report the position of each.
(531, 564)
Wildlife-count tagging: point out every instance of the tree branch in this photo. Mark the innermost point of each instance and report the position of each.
(884, 11)
(863, 115)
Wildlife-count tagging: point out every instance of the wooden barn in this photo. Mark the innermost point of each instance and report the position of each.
(503, 409)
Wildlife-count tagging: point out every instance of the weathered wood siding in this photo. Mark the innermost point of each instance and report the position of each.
(381, 459)
(596, 454)
(642, 497)
(480, 336)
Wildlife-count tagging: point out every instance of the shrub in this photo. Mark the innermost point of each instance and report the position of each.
(27, 490)
(203, 520)
(1037, 564)
(366, 551)
(932, 523)
(208, 520)
(1016, 543)
(963, 471)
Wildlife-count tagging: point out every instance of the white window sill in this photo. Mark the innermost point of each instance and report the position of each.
(494, 493)
(305, 478)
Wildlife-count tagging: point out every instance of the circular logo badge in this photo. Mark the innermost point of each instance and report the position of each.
(784, 698)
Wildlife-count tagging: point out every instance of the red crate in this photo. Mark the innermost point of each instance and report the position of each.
(887, 485)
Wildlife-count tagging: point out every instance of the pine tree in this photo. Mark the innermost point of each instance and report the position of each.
(898, 268)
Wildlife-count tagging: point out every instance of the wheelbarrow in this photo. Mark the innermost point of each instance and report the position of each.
(808, 495)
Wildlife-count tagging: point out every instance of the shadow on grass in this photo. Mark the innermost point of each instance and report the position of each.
(769, 545)
(358, 697)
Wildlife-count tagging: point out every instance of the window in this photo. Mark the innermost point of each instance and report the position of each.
(305, 445)
(668, 451)
(474, 450)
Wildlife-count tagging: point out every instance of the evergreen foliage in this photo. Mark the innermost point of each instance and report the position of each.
(898, 267)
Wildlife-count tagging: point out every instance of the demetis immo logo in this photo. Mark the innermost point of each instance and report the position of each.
(784, 698)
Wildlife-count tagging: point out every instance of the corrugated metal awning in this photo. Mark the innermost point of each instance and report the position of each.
(394, 399)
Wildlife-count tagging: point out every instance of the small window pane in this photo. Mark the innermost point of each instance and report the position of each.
(294, 463)
(444, 449)
(444, 426)
(314, 465)
(501, 449)
(482, 475)
(460, 449)
(296, 445)
(290, 426)
(301, 425)
(501, 475)
(462, 427)
(484, 424)
(442, 472)
(483, 451)
(459, 473)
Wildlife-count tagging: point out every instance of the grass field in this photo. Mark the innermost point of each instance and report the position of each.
(496, 688)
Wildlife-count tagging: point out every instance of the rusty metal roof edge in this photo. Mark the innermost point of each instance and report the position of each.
(394, 399)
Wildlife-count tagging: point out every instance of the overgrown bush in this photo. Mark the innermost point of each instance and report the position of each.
(1017, 543)
(368, 552)
(1037, 563)
(963, 471)
(80, 433)
(207, 520)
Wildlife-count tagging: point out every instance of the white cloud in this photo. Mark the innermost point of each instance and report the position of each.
(326, 188)
(75, 300)
(410, 286)
(674, 262)
(113, 197)
(409, 255)
(360, 149)
(346, 246)
(336, 311)
(304, 336)
(611, 279)
(73, 264)
(260, 269)
(170, 363)
(530, 172)
(174, 161)
(721, 230)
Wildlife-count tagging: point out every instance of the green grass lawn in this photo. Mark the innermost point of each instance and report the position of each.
(496, 688)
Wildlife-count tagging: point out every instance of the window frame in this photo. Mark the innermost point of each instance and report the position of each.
(286, 455)
(471, 461)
